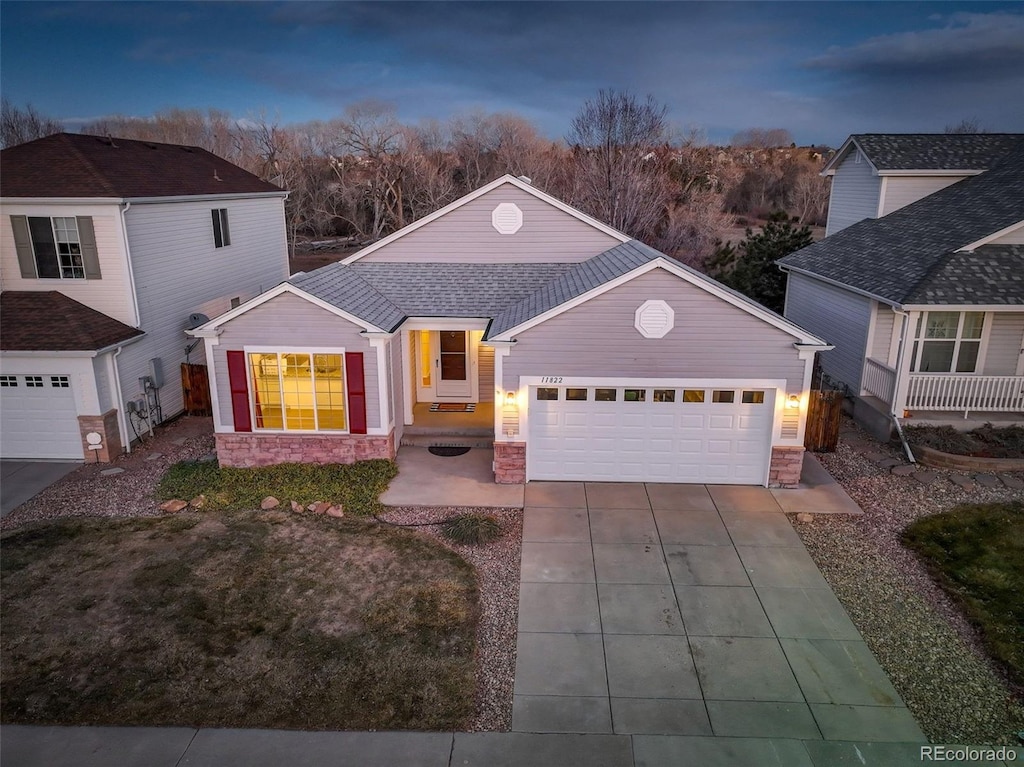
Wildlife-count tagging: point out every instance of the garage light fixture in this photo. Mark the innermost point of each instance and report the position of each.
(510, 398)
(793, 401)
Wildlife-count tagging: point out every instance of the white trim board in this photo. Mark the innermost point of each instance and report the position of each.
(990, 238)
(506, 179)
(694, 279)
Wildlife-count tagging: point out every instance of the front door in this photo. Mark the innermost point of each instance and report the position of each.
(454, 379)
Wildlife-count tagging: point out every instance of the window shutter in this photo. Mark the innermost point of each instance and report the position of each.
(90, 254)
(356, 392)
(239, 391)
(23, 244)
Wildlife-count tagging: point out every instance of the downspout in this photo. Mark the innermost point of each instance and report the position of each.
(128, 264)
(122, 416)
(899, 367)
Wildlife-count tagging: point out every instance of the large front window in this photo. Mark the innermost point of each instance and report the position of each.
(298, 391)
(57, 247)
(947, 342)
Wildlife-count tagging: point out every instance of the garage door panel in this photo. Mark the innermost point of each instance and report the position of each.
(38, 421)
(687, 442)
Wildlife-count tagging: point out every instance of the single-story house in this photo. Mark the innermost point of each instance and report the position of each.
(589, 355)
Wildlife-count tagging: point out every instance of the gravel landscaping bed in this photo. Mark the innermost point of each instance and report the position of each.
(497, 567)
(932, 654)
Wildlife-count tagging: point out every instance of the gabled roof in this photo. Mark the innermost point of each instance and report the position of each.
(79, 165)
(50, 321)
(911, 256)
(965, 152)
(506, 179)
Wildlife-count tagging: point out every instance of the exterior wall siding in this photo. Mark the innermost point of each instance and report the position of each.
(485, 369)
(838, 316)
(885, 319)
(1005, 341)
(178, 271)
(111, 294)
(710, 339)
(465, 235)
(290, 321)
(900, 191)
(854, 197)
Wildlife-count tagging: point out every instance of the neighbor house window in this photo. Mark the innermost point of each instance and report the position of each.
(57, 247)
(34, 382)
(947, 342)
(8, 381)
(60, 382)
(298, 391)
(221, 234)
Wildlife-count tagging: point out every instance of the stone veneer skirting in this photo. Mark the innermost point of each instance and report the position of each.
(106, 426)
(786, 466)
(510, 463)
(245, 450)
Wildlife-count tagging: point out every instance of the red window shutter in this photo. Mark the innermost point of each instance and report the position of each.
(239, 391)
(356, 392)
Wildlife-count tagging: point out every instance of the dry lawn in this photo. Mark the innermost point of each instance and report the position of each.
(236, 619)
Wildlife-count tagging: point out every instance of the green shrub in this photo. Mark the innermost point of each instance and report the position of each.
(472, 529)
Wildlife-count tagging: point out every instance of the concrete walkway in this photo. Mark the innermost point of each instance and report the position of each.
(425, 479)
(21, 480)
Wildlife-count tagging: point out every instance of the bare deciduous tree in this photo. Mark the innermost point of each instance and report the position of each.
(18, 125)
(967, 125)
(763, 138)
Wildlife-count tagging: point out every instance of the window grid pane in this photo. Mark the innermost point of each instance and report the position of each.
(576, 395)
(330, 391)
(604, 395)
(967, 359)
(547, 393)
(723, 395)
(34, 382)
(693, 395)
(664, 395)
(297, 393)
(973, 324)
(266, 381)
(634, 395)
(753, 397)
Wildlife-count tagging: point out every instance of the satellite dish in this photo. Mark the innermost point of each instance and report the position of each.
(195, 320)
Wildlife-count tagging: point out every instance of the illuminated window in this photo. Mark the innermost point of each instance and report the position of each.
(426, 359)
(693, 395)
(300, 391)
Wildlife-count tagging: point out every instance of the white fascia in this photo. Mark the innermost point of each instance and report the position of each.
(205, 197)
(989, 238)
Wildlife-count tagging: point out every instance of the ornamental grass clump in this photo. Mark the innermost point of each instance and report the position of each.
(472, 529)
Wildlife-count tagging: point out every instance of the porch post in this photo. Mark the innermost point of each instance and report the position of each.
(903, 362)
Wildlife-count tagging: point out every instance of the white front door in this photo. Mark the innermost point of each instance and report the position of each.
(679, 433)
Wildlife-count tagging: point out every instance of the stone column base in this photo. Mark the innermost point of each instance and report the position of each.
(785, 468)
(510, 463)
(110, 436)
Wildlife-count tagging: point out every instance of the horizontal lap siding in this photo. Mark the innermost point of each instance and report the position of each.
(854, 197)
(901, 191)
(836, 315)
(711, 339)
(179, 271)
(485, 366)
(465, 235)
(290, 321)
(111, 294)
(1004, 343)
(884, 321)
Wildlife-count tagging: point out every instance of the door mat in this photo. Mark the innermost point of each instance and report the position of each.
(448, 452)
(453, 407)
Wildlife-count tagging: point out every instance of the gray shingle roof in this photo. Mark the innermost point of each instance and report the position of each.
(908, 256)
(340, 286)
(941, 151)
(993, 274)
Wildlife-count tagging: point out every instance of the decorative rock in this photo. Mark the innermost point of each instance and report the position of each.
(322, 507)
(804, 517)
(112, 472)
(173, 506)
(988, 480)
(1012, 482)
(876, 456)
(296, 507)
(179, 441)
(198, 501)
(154, 456)
(888, 463)
(961, 481)
(925, 477)
(335, 511)
(904, 470)
(270, 502)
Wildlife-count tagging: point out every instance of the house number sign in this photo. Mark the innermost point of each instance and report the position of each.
(551, 379)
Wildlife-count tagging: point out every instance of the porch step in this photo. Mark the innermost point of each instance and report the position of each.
(447, 440)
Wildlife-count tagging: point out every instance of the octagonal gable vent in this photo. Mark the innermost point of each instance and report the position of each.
(654, 319)
(507, 218)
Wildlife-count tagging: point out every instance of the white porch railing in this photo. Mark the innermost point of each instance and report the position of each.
(966, 392)
(879, 380)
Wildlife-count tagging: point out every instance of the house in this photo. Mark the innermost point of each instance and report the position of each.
(874, 174)
(585, 355)
(925, 304)
(107, 248)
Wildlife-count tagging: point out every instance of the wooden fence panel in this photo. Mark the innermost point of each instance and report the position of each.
(824, 409)
(195, 383)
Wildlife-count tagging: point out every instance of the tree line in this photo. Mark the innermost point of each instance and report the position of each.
(366, 173)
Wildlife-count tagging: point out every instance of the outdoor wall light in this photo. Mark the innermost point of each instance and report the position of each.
(510, 398)
(793, 401)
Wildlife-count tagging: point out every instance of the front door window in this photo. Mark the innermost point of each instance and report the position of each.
(453, 355)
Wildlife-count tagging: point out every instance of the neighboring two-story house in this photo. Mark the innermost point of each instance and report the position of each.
(920, 283)
(108, 247)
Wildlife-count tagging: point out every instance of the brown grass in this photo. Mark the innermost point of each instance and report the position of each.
(240, 619)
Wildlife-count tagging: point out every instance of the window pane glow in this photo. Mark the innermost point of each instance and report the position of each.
(266, 382)
(298, 392)
(693, 395)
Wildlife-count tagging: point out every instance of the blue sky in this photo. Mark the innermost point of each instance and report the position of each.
(822, 70)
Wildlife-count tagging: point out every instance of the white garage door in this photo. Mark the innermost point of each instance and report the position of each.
(686, 434)
(38, 418)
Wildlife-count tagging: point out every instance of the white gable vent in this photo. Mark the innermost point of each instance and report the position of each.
(507, 218)
(654, 319)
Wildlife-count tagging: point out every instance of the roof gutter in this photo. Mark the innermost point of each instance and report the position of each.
(208, 197)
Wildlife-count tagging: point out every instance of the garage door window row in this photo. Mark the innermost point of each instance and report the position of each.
(598, 394)
(35, 382)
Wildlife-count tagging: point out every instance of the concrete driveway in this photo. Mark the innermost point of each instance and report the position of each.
(21, 480)
(676, 610)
